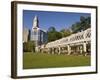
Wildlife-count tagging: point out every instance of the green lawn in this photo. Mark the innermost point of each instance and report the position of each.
(40, 60)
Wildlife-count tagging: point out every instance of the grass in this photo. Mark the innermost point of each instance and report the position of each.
(40, 60)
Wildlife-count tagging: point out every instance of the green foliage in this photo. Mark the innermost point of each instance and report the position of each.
(76, 27)
(53, 34)
(82, 25)
(65, 32)
(29, 46)
(51, 29)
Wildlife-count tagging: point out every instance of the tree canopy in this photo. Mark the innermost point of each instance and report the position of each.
(83, 24)
(53, 34)
(65, 32)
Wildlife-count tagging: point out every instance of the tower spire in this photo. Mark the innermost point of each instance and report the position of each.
(35, 22)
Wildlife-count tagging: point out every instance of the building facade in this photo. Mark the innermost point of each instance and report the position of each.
(38, 35)
(25, 34)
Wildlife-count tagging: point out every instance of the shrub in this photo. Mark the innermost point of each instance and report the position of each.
(29, 46)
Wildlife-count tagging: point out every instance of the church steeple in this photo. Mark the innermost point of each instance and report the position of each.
(35, 22)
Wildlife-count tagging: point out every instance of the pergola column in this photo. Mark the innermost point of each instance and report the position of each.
(62, 50)
(52, 50)
(59, 48)
(84, 46)
(81, 49)
(78, 49)
(69, 49)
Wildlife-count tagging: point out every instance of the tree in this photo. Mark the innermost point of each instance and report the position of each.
(53, 34)
(29, 46)
(88, 22)
(83, 24)
(51, 29)
(65, 32)
(76, 27)
(58, 35)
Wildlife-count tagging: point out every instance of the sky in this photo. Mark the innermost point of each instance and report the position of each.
(60, 20)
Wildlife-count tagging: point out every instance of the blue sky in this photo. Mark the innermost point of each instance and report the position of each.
(60, 20)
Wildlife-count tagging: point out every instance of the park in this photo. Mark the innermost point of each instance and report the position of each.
(70, 46)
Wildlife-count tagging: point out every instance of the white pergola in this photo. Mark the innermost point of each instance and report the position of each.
(76, 43)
